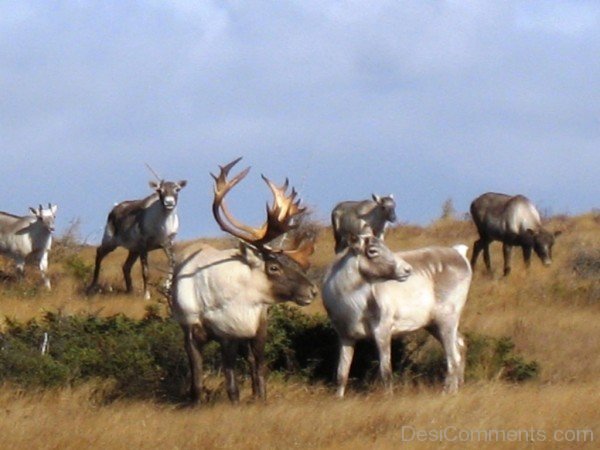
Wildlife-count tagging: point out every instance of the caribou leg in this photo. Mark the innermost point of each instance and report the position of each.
(43, 265)
(527, 255)
(477, 247)
(194, 339)
(101, 252)
(383, 340)
(345, 361)
(229, 349)
(257, 361)
(454, 349)
(144, 261)
(507, 252)
(129, 262)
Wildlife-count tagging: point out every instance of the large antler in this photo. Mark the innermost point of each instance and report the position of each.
(279, 216)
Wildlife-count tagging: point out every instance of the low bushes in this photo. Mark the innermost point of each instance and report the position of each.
(145, 358)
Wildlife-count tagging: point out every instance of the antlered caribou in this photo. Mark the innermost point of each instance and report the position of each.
(224, 294)
(371, 292)
(25, 238)
(141, 226)
(514, 221)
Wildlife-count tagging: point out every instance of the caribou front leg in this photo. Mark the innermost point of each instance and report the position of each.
(257, 348)
(345, 361)
(194, 339)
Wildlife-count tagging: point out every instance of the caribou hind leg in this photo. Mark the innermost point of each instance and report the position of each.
(101, 252)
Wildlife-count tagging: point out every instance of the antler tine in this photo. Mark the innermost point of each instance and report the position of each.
(284, 209)
(284, 206)
(158, 178)
(221, 188)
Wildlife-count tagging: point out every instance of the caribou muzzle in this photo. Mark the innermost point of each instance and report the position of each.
(169, 202)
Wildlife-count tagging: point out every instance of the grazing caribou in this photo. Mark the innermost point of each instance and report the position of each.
(28, 238)
(361, 217)
(512, 220)
(141, 226)
(225, 294)
(371, 292)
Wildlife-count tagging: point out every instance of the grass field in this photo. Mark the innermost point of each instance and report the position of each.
(552, 314)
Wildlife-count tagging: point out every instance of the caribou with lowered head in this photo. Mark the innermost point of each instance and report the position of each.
(361, 217)
(28, 238)
(225, 294)
(141, 226)
(371, 292)
(514, 221)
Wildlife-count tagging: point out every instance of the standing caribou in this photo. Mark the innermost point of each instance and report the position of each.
(371, 292)
(512, 220)
(141, 226)
(361, 217)
(25, 238)
(225, 294)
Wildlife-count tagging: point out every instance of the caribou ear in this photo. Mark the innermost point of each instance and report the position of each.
(153, 185)
(376, 197)
(182, 183)
(53, 208)
(34, 211)
(250, 255)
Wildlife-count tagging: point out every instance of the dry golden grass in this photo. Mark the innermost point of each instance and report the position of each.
(552, 314)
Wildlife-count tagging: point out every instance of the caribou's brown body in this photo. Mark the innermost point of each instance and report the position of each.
(351, 218)
(224, 294)
(141, 226)
(514, 221)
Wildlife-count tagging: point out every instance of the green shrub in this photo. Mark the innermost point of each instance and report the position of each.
(146, 359)
(76, 267)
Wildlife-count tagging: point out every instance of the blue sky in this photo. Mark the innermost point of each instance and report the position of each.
(425, 99)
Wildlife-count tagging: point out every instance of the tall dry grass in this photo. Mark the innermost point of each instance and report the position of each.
(552, 314)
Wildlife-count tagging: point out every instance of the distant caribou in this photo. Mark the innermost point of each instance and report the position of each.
(362, 217)
(371, 292)
(514, 221)
(141, 226)
(28, 238)
(224, 294)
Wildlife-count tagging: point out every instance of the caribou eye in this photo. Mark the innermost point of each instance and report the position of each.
(372, 252)
(273, 268)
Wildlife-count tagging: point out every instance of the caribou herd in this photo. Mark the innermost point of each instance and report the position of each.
(368, 291)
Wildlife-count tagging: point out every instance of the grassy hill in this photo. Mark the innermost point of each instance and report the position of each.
(551, 314)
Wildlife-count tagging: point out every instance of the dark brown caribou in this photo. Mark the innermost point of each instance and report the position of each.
(514, 221)
(225, 294)
(141, 226)
(366, 217)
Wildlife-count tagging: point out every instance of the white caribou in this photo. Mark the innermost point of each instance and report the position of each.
(371, 292)
(28, 238)
(224, 294)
